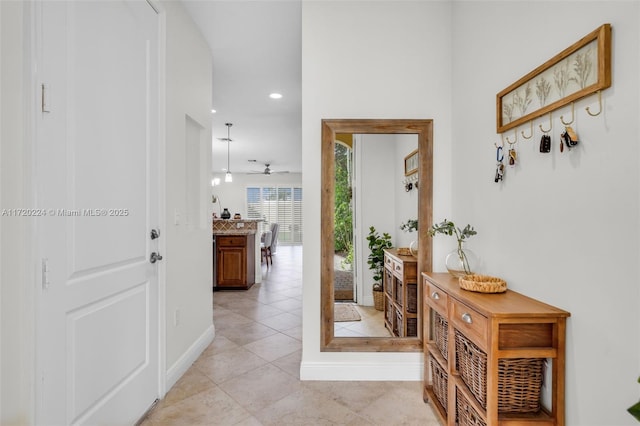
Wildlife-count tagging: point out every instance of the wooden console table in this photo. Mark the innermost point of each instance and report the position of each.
(401, 294)
(504, 328)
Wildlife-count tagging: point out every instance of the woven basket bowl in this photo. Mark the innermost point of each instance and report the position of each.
(483, 284)
(404, 251)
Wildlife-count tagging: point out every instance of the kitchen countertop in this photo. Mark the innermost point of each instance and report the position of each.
(235, 226)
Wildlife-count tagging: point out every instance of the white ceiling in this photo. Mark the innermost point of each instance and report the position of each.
(256, 48)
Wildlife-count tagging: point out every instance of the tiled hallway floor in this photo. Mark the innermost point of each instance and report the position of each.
(250, 374)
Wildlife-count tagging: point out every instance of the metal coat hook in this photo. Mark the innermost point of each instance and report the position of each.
(599, 103)
(530, 131)
(550, 125)
(572, 117)
(516, 140)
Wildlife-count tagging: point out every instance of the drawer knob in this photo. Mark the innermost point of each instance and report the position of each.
(467, 318)
(435, 295)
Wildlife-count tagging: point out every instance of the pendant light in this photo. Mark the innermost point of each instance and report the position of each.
(227, 176)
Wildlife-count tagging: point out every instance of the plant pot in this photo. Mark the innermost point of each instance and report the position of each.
(378, 300)
(461, 261)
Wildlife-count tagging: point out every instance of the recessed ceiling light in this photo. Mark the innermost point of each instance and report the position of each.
(275, 96)
(213, 111)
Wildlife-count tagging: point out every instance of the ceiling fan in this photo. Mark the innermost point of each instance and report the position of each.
(267, 171)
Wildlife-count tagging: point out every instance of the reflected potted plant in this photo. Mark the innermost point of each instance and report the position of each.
(460, 261)
(377, 244)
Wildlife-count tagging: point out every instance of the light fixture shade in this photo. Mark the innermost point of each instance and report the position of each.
(227, 176)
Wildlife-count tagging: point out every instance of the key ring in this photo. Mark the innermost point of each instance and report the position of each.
(499, 154)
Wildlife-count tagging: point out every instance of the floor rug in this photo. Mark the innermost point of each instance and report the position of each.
(345, 312)
(343, 285)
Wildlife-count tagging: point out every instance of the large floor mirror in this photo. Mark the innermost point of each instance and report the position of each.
(387, 164)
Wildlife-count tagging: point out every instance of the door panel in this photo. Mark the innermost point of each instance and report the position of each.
(97, 161)
(92, 336)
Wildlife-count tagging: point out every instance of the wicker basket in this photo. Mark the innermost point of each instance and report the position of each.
(388, 281)
(391, 312)
(398, 292)
(412, 298)
(441, 334)
(404, 251)
(482, 284)
(519, 379)
(412, 327)
(466, 415)
(378, 300)
(398, 325)
(440, 382)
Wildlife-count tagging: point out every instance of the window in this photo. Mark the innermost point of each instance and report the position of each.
(280, 204)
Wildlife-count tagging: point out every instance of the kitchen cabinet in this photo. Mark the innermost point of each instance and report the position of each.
(235, 261)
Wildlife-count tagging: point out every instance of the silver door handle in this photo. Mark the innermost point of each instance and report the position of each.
(155, 233)
(155, 257)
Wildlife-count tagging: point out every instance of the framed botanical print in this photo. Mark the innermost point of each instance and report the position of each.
(411, 163)
(578, 71)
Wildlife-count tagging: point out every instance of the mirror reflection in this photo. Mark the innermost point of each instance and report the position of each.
(377, 188)
(376, 206)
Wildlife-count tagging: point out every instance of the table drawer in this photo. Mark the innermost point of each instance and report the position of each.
(398, 269)
(436, 299)
(470, 322)
(231, 240)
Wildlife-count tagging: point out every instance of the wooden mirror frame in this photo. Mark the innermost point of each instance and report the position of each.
(424, 130)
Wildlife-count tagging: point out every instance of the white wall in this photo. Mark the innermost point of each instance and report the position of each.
(405, 203)
(381, 199)
(562, 228)
(233, 195)
(188, 257)
(375, 190)
(394, 63)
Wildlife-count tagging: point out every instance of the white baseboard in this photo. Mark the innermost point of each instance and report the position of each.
(355, 371)
(190, 356)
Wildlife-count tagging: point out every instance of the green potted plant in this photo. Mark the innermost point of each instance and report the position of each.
(410, 225)
(634, 410)
(460, 261)
(377, 244)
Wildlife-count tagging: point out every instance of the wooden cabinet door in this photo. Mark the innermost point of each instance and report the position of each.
(232, 266)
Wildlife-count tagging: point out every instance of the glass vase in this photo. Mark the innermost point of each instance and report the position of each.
(461, 261)
(413, 248)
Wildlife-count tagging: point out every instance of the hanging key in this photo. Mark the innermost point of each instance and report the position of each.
(499, 172)
(545, 143)
(513, 156)
(569, 138)
(500, 166)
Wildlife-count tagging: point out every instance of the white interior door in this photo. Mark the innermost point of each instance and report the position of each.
(97, 173)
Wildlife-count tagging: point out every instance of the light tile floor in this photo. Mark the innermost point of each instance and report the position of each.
(250, 374)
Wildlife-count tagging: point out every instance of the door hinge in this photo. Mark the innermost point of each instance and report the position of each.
(45, 274)
(44, 97)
